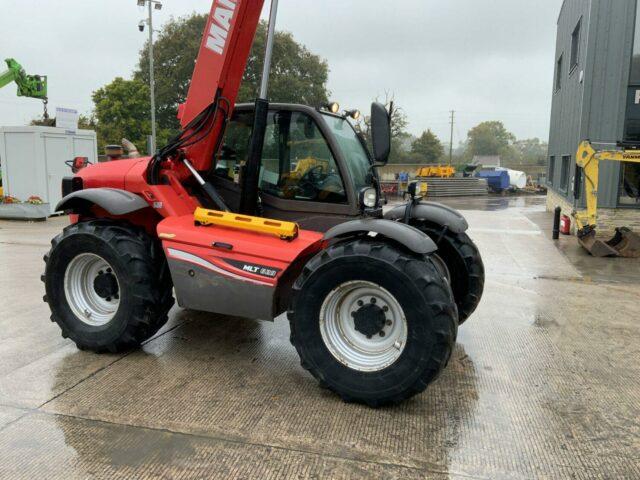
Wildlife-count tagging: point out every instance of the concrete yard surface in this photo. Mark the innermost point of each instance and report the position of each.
(544, 381)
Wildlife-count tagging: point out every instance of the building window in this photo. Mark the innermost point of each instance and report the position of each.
(632, 120)
(559, 73)
(629, 184)
(564, 173)
(635, 61)
(575, 46)
(552, 169)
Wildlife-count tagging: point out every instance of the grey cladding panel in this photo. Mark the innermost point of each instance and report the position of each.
(595, 108)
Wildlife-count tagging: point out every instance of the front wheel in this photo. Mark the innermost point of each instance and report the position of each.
(464, 263)
(108, 285)
(374, 324)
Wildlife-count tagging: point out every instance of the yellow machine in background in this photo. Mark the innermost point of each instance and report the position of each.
(304, 165)
(436, 171)
(625, 243)
(432, 171)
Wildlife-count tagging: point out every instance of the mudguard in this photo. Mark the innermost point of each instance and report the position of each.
(432, 212)
(406, 235)
(113, 200)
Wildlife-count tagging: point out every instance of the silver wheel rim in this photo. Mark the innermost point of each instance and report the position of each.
(350, 346)
(80, 291)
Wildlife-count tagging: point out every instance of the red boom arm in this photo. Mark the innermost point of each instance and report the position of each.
(220, 65)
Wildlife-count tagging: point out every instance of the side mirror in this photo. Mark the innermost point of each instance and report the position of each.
(380, 133)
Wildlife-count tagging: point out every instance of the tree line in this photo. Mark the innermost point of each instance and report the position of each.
(121, 108)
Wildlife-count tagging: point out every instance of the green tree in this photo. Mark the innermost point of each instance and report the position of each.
(532, 151)
(122, 111)
(175, 51)
(297, 75)
(85, 122)
(490, 138)
(427, 148)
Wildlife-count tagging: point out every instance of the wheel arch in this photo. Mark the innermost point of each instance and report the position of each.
(409, 237)
(434, 213)
(113, 200)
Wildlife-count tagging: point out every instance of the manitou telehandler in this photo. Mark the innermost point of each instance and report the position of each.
(261, 209)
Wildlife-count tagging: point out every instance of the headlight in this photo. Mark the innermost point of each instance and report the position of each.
(369, 197)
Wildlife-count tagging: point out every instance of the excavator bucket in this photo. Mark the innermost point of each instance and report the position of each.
(625, 243)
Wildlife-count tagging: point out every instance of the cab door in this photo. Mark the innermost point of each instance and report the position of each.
(301, 179)
(300, 176)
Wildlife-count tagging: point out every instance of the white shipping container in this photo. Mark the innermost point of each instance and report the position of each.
(33, 159)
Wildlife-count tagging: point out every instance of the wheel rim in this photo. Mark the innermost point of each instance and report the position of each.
(92, 289)
(363, 326)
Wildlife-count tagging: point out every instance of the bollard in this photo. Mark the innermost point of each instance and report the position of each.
(556, 223)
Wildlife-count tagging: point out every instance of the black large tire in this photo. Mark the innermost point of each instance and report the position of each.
(464, 262)
(421, 291)
(143, 280)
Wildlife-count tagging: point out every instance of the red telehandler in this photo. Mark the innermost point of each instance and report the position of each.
(259, 210)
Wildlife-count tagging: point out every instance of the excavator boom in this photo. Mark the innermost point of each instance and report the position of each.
(625, 243)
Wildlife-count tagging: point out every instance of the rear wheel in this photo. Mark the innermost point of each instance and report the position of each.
(464, 263)
(108, 285)
(372, 323)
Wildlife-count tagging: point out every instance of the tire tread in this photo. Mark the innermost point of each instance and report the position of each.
(440, 301)
(468, 300)
(151, 282)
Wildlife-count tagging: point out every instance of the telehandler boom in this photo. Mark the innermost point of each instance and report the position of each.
(32, 86)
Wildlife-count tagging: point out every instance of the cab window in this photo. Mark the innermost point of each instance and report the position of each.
(235, 146)
(297, 163)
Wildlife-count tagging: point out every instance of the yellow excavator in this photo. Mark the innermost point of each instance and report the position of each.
(436, 171)
(625, 243)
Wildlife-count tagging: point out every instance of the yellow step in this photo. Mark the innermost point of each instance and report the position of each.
(284, 230)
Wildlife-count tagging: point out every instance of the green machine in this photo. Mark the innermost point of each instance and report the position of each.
(32, 86)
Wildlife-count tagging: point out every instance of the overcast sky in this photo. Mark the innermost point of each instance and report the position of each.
(486, 59)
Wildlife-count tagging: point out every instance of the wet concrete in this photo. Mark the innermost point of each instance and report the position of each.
(544, 382)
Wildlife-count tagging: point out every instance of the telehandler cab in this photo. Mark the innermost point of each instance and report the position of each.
(316, 170)
(260, 209)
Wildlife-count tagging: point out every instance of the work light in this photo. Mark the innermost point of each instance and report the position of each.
(333, 107)
(355, 114)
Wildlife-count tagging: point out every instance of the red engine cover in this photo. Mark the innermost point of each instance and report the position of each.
(229, 271)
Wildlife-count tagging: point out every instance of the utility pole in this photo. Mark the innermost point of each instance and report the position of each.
(453, 116)
(152, 83)
(153, 4)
